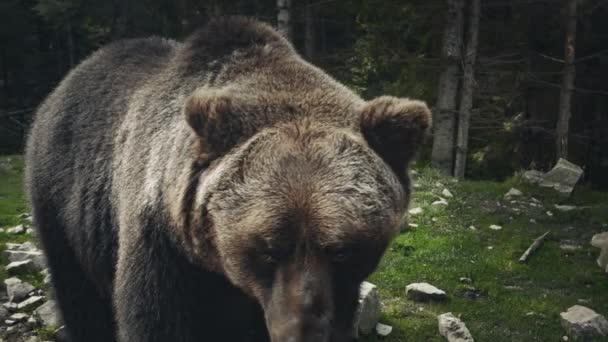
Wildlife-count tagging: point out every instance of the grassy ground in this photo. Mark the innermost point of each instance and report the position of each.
(507, 301)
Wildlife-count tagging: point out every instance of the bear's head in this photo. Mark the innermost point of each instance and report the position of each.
(302, 211)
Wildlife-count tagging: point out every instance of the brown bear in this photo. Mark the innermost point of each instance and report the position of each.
(219, 189)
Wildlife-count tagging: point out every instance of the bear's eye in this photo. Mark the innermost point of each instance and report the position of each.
(341, 255)
(268, 258)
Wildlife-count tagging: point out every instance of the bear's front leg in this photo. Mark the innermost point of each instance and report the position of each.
(160, 296)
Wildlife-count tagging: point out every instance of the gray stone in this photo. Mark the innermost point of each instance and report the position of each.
(533, 176)
(20, 229)
(513, 193)
(36, 256)
(453, 329)
(32, 338)
(48, 313)
(601, 241)
(4, 313)
(18, 291)
(563, 177)
(580, 321)
(565, 207)
(18, 317)
(383, 329)
(441, 201)
(19, 267)
(30, 303)
(422, 292)
(26, 246)
(368, 312)
(415, 211)
(447, 193)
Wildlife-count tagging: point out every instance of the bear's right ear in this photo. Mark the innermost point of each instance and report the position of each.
(212, 114)
(395, 129)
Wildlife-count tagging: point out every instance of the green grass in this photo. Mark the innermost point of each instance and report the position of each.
(443, 248)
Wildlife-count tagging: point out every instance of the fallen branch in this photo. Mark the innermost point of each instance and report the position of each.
(533, 247)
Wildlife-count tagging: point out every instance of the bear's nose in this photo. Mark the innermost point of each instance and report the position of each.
(303, 329)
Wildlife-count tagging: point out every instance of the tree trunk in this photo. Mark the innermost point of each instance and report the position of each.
(445, 114)
(309, 30)
(70, 42)
(5, 88)
(468, 82)
(565, 98)
(284, 18)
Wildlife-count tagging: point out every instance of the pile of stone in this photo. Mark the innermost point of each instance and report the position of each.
(25, 308)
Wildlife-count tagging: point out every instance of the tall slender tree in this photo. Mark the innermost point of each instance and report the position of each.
(468, 83)
(309, 30)
(565, 98)
(284, 18)
(445, 112)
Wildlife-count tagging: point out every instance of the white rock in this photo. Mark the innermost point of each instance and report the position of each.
(495, 227)
(415, 211)
(565, 207)
(17, 267)
(563, 177)
(18, 317)
(18, 291)
(36, 256)
(31, 302)
(412, 225)
(582, 322)
(20, 229)
(441, 201)
(513, 193)
(48, 313)
(368, 313)
(549, 213)
(383, 329)
(26, 246)
(453, 329)
(601, 241)
(532, 221)
(447, 193)
(422, 292)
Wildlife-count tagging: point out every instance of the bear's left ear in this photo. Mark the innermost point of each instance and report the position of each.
(216, 115)
(395, 129)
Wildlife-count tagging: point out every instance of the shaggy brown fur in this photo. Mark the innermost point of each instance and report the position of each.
(216, 189)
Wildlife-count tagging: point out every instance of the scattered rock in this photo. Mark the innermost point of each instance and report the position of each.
(36, 256)
(415, 211)
(17, 291)
(368, 313)
(20, 229)
(563, 177)
(19, 267)
(383, 329)
(18, 317)
(580, 321)
(423, 292)
(447, 193)
(453, 329)
(4, 313)
(441, 201)
(30, 303)
(495, 227)
(533, 221)
(569, 247)
(565, 207)
(466, 280)
(412, 225)
(513, 193)
(549, 213)
(26, 246)
(48, 313)
(601, 241)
